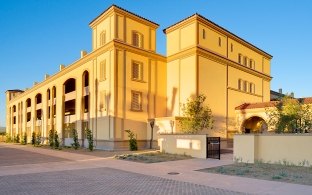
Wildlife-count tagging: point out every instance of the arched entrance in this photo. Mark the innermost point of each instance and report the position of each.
(254, 124)
(69, 110)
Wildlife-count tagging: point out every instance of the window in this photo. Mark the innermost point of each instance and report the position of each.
(102, 100)
(220, 42)
(49, 112)
(245, 60)
(252, 63)
(137, 71)
(245, 86)
(136, 101)
(137, 39)
(240, 58)
(103, 70)
(102, 38)
(239, 84)
(204, 34)
(14, 108)
(231, 47)
(14, 120)
(28, 116)
(48, 94)
(251, 88)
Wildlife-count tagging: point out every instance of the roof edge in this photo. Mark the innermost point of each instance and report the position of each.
(122, 9)
(222, 28)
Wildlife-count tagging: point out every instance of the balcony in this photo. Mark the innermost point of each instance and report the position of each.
(39, 106)
(69, 118)
(70, 96)
(86, 91)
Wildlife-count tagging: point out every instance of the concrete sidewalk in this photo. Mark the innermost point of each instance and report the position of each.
(185, 168)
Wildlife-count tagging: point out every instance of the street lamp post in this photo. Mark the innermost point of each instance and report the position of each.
(152, 123)
(172, 125)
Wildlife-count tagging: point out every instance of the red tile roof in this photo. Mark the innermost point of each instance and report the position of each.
(307, 100)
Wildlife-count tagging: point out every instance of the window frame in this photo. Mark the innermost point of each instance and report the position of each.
(139, 103)
(140, 71)
(139, 39)
(102, 38)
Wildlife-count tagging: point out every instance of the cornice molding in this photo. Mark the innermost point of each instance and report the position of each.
(218, 58)
(114, 44)
(121, 11)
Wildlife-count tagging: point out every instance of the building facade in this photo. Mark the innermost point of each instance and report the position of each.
(123, 83)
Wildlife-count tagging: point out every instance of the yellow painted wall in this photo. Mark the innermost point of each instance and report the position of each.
(193, 145)
(211, 40)
(239, 48)
(181, 38)
(272, 148)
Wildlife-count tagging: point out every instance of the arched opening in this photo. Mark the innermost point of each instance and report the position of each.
(69, 108)
(69, 85)
(38, 98)
(28, 118)
(254, 124)
(53, 107)
(38, 114)
(48, 112)
(85, 103)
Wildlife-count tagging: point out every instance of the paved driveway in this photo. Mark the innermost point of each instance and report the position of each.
(27, 172)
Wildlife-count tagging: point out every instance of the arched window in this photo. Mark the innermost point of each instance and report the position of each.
(38, 98)
(70, 85)
(48, 94)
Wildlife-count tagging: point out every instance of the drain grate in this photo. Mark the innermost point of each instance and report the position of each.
(173, 173)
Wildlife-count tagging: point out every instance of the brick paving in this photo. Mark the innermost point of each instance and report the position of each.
(12, 156)
(26, 174)
(99, 181)
(32, 170)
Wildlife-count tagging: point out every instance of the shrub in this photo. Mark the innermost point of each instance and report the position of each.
(133, 145)
(8, 138)
(56, 140)
(24, 139)
(76, 144)
(17, 138)
(33, 138)
(38, 139)
(51, 138)
(89, 135)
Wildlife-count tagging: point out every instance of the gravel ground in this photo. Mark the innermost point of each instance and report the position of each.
(272, 172)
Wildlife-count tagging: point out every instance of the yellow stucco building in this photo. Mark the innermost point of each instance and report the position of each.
(123, 82)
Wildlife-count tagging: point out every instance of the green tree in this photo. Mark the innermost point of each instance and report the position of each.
(51, 138)
(196, 115)
(290, 115)
(76, 143)
(133, 145)
(89, 135)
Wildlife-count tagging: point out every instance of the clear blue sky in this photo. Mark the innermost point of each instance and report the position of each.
(38, 35)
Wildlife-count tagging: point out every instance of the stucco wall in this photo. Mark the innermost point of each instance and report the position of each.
(292, 148)
(193, 145)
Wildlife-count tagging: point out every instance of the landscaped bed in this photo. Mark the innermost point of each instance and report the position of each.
(273, 172)
(152, 157)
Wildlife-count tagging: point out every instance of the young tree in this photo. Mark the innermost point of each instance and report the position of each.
(196, 116)
(290, 115)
